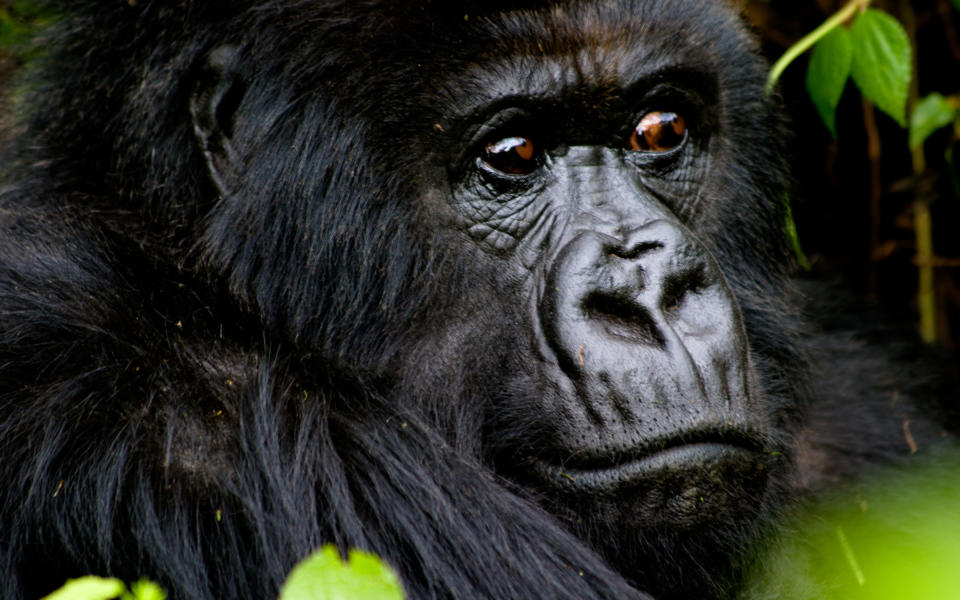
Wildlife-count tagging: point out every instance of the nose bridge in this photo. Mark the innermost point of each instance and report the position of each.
(604, 196)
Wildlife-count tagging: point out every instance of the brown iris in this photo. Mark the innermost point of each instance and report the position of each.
(658, 132)
(512, 155)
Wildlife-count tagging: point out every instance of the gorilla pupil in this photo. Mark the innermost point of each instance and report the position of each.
(513, 155)
(658, 132)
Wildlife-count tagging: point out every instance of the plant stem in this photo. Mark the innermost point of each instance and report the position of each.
(874, 154)
(922, 222)
(807, 41)
(926, 296)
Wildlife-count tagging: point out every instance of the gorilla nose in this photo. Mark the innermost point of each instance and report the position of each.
(623, 316)
(644, 315)
(635, 283)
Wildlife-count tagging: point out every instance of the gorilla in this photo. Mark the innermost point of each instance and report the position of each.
(499, 291)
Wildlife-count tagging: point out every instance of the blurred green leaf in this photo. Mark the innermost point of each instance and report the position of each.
(827, 74)
(930, 114)
(956, 3)
(12, 31)
(895, 538)
(882, 62)
(325, 576)
(19, 22)
(145, 590)
(28, 9)
(88, 588)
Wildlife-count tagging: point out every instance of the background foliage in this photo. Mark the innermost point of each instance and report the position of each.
(868, 171)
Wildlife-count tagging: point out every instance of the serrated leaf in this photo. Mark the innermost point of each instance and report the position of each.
(882, 62)
(930, 114)
(827, 74)
(325, 576)
(88, 588)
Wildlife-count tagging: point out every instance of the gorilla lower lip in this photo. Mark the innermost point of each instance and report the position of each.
(690, 487)
(690, 465)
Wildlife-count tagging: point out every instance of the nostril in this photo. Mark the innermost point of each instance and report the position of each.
(631, 251)
(677, 285)
(622, 316)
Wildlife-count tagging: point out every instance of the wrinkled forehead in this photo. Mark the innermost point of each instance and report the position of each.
(594, 49)
(613, 33)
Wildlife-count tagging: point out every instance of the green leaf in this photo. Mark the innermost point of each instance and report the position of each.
(12, 32)
(930, 114)
(88, 588)
(881, 62)
(957, 4)
(790, 228)
(324, 576)
(145, 589)
(893, 537)
(827, 74)
(28, 9)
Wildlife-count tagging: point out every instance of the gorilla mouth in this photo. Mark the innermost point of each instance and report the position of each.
(686, 483)
(704, 460)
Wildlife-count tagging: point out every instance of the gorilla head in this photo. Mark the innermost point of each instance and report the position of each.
(571, 189)
(500, 293)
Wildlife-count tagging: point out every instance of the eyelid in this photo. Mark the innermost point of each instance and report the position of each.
(503, 123)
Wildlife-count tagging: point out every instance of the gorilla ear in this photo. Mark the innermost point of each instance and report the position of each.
(213, 106)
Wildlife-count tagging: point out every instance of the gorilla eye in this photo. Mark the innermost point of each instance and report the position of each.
(658, 132)
(512, 155)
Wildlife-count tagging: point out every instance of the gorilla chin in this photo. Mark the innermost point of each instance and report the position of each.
(686, 501)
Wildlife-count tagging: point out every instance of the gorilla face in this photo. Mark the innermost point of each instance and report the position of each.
(583, 173)
(635, 338)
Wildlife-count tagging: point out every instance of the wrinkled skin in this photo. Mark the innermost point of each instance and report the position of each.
(499, 292)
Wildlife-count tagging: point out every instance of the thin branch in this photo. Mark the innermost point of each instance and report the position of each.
(807, 41)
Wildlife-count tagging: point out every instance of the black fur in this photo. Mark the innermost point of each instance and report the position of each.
(203, 381)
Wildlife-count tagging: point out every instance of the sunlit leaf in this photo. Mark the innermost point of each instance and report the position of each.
(88, 588)
(882, 62)
(930, 114)
(145, 590)
(889, 539)
(827, 74)
(325, 576)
